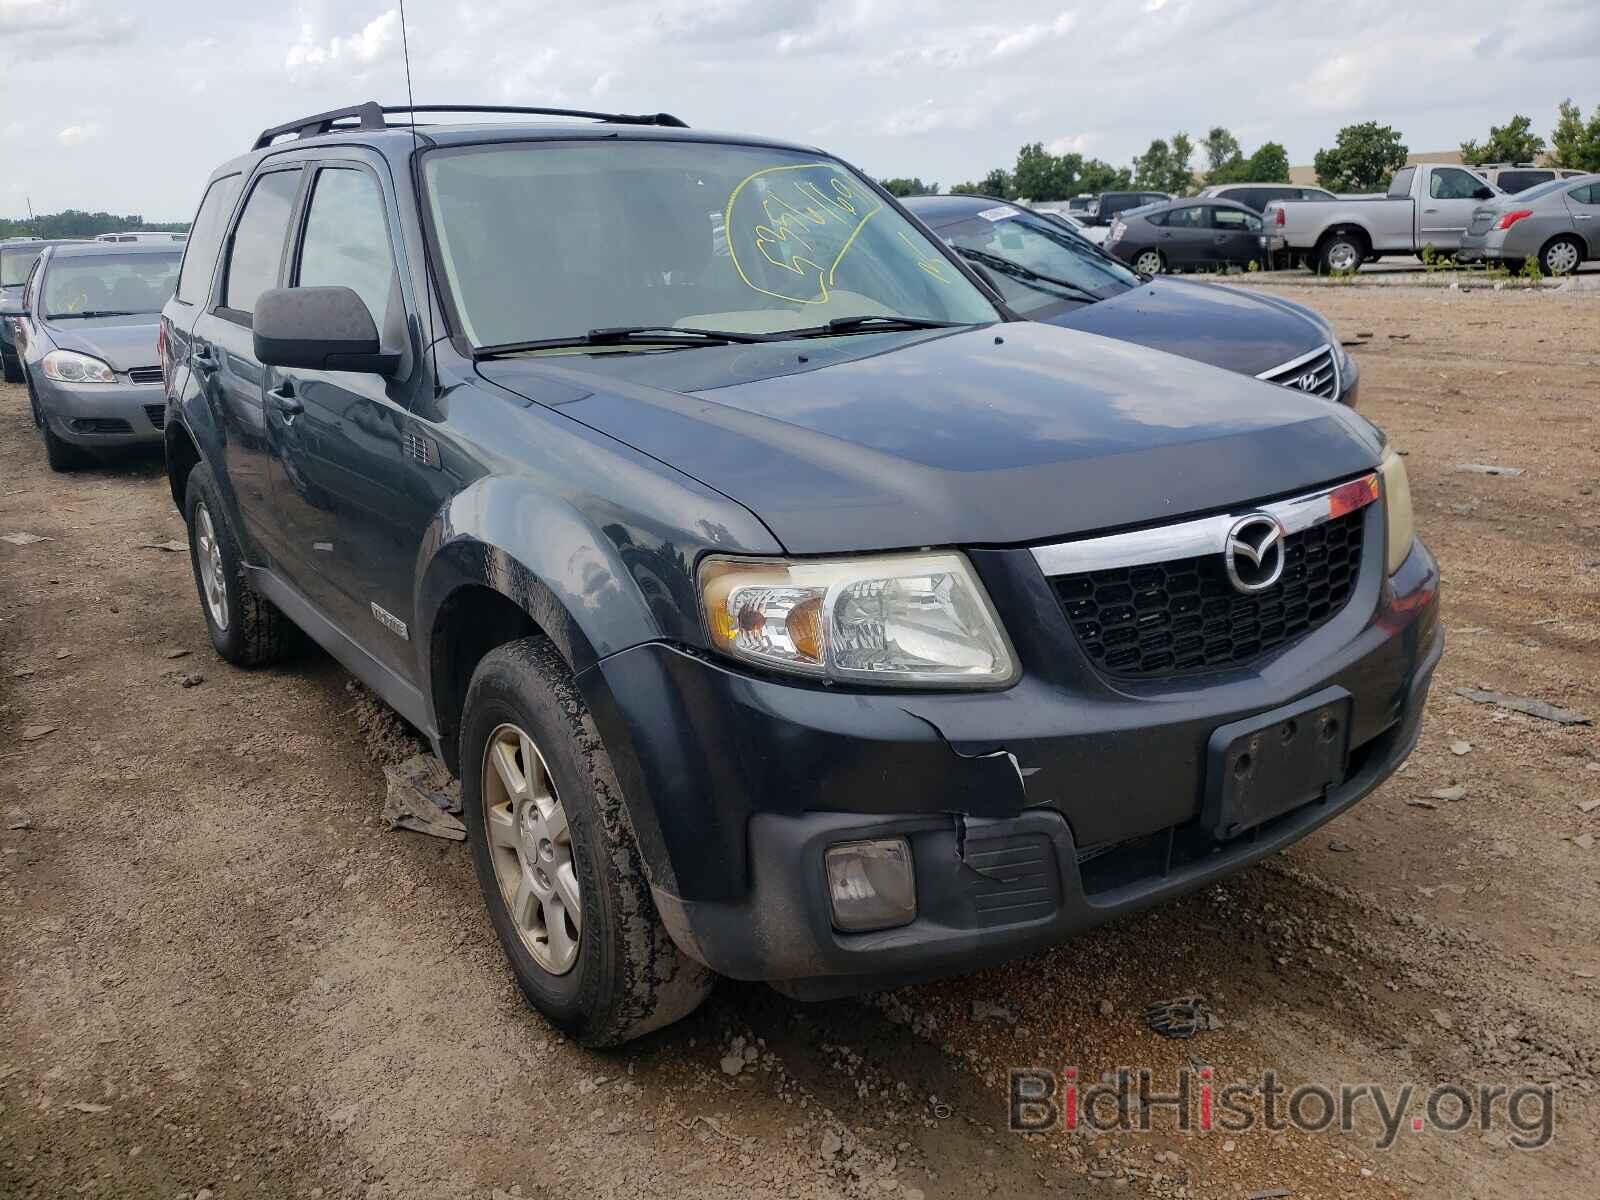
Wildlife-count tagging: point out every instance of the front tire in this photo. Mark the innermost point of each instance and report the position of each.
(1562, 256)
(246, 628)
(62, 456)
(11, 369)
(556, 859)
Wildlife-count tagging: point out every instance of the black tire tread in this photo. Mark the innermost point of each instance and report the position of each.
(651, 982)
(258, 632)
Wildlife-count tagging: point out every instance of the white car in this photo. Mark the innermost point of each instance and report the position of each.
(1057, 210)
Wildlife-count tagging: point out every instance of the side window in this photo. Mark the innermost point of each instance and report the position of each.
(1447, 183)
(257, 246)
(1193, 217)
(1230, 219)
(1588, 194)
(1316, 194)
(1521, 181)
(347, 239)
(1159, 218)
(1400, 185)
(205, 235)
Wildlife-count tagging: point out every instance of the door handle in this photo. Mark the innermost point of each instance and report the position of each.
(285, 401)
(1583, 216)
(1430, 210)
(202, 359)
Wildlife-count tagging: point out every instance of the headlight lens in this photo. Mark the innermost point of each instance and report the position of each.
(911, 619)
(1396, 508)
(68, 366)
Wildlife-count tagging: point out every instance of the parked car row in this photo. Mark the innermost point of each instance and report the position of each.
(837, 592)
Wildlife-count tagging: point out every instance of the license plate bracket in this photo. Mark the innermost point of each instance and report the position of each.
(1265, 765)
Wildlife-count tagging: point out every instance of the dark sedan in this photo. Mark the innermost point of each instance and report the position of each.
(1047, 273)
(1186, 235)
(16, 260)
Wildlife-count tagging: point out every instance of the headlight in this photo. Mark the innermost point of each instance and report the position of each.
(1396, 508)
(918, 619)
(68, 366)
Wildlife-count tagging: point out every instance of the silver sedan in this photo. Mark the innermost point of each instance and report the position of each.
(1556, 223)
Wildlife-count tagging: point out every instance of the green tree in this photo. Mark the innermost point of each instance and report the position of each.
(1223, 155)
(74, 223)
(1164, 167)
(1575, 144)
(1040, 175)
(1512, 142)
(909, 187)
(1362, 160)
(1269, 164)
(1099, 176)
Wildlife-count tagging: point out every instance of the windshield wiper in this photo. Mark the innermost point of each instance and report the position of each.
(98, 312)
(1027, 274)
(626, 335)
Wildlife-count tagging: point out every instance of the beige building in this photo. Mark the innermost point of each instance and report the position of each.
(1308, 174)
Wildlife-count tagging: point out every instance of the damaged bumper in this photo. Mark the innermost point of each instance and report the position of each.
(1031, 813)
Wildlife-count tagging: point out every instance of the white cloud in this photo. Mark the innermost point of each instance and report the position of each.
(1072, 143)
(12, 131)
(928, 117)
(1029, 36)
(372, 42)
(76, 135)
(26, 16)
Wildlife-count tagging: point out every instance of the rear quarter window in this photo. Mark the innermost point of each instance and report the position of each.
(1400, 185)
(205, 236)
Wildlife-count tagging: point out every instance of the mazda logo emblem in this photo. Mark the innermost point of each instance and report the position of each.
(1307, 382)
(1253, 552)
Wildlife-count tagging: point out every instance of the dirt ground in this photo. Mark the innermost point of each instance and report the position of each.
(220, 976)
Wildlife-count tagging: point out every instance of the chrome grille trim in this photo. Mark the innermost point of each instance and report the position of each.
(1188, 539)
(1323, 360)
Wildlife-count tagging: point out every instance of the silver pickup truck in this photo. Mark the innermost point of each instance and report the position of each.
(1429, 204)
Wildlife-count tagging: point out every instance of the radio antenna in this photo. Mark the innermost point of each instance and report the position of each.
(427, 270)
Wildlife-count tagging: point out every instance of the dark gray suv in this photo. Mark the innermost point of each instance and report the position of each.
(789, 609)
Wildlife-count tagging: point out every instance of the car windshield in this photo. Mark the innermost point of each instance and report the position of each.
(549, 240)
(15, 263)
(88, 284)
(1055, 265)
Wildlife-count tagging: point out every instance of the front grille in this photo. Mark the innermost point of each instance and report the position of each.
(1314, 373)
(145, 374)
(157, 414)
(100, 425)
(1184, 616)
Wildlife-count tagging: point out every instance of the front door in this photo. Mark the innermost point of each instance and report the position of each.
(1447, 208)
(1584, 205)
(221, 354)
(1186, 241)
(355, 478)
(1235, 236)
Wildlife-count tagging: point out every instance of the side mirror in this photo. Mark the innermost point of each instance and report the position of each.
(318, 329)
(1483, 193)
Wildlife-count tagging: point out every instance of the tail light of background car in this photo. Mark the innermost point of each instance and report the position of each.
(1277, 216)
(164, 355)
(1117, 230)
(1507, 220)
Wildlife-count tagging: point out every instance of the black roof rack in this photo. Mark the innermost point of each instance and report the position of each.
(371, 116)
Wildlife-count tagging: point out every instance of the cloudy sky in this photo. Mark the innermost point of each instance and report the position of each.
(127, 107)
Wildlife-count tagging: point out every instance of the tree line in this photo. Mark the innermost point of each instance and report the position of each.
(1362, 159)
(75, 223)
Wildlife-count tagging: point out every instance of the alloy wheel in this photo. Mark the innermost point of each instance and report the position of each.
(530, 845)
(208, 554)
(1342, 256)
(1148, 263)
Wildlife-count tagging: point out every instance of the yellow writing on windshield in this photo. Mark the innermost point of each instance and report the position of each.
(790, 227)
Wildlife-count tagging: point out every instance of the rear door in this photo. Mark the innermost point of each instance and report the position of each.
(222, 354)
(188, 300)
(1235, 235)
(1186, 239)
(355, 478)
(1447, 208)
(1584, 205)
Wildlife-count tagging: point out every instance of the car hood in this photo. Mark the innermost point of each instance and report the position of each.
(124, 342)
(1007, 434)
(1218, 325)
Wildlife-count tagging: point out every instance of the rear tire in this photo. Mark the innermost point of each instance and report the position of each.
(1561, 256)
(556, 859)
(246, 628)
(1150, 262)
(1339, 253)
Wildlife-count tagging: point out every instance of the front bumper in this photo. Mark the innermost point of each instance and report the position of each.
(1032, 812)
(101, 415)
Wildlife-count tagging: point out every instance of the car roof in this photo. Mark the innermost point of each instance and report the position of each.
(398, 140)
(42, 243)
(1187, 201)
(103, 249)
(1223, 187)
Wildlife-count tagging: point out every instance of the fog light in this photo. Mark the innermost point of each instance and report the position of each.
(871, 885)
